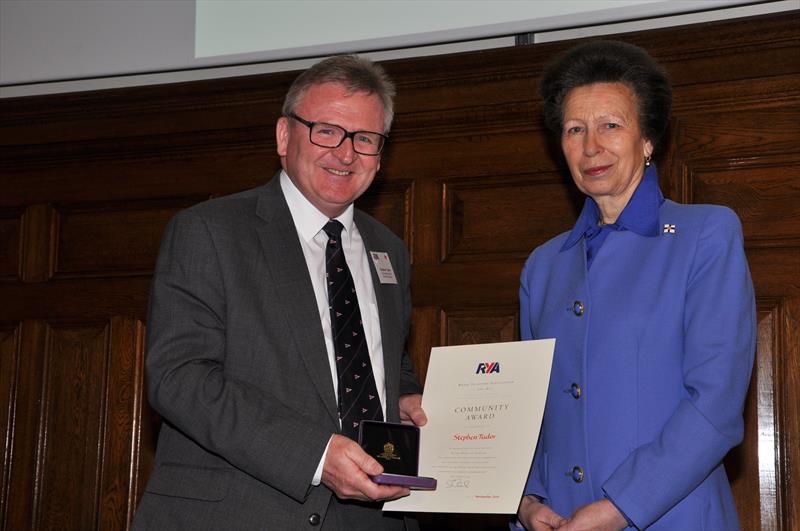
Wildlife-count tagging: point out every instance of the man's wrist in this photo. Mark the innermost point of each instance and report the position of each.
(317, 479)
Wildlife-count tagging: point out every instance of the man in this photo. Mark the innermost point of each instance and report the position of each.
(248, 360)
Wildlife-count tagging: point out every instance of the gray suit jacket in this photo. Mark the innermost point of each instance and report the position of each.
(237, 367)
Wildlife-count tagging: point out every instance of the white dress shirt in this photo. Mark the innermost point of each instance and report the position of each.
(309, 223)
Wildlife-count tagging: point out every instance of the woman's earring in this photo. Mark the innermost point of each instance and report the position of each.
(647, 160)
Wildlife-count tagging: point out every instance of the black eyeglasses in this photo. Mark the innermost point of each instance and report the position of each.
(332, 136)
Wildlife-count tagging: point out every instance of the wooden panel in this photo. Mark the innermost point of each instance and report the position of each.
(425, 334)
(147, 424)
(112, 237)
(183, 108)
(760, 415)
(123, 295)
(72, 397)
(427, 229)
(737, 135)
(479, 325)
(774, 270)
(743, 94)
(720, 66)
(37, 243)
(474, 155)
(752, 466)
(10, 227)
(492, 221)
(763, 190)
(73, 400)
(9, 369)
(20, 509)
(86, 389)
(390, 203)
(788, 373)
(786, 378)
(122, 441)
(191, 174)
(462, 284)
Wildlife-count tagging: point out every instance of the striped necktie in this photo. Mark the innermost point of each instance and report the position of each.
(358, 395)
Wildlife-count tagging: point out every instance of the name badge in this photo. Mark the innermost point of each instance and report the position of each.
(383, 266)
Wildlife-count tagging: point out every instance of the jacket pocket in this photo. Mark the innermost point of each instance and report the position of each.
(198, 483)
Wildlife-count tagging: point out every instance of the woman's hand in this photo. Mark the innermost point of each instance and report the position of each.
(598, 516)
(536, 516)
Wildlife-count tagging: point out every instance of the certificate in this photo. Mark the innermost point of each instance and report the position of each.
(484, 405)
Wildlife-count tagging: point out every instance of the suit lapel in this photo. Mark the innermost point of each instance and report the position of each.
(385, 295)
(288, 277)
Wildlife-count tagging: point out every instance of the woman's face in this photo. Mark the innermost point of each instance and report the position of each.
(602, 142)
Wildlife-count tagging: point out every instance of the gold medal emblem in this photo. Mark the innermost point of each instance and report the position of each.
(388, 452)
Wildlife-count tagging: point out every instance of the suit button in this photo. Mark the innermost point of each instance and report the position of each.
(577, 474)
(577, 308)
(314, 519)
(575, 391)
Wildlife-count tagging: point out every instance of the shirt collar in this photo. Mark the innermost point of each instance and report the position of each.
(307, 219)
(640, 215)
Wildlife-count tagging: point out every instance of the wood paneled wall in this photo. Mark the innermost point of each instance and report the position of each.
(470, 180)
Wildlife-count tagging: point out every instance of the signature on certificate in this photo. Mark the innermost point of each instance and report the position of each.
(456, 483)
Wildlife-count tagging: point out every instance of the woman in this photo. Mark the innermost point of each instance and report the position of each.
(651, 304)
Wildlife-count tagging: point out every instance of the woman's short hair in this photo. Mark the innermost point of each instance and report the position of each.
(356, 74)
(608, 62)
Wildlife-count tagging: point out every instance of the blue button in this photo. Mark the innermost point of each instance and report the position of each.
(577, 474)
(575, 391)
(577, 308)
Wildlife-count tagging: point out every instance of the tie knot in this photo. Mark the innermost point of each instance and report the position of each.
(333, 229)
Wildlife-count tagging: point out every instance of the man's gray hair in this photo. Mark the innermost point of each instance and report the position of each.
(355, 73)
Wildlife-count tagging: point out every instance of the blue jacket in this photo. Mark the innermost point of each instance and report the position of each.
(654, 349)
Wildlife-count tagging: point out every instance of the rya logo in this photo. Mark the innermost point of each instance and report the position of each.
(488, 367)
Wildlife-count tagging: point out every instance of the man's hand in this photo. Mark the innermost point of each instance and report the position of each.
(536, 516)
(597, 516)
(411, 411)
(347, 469)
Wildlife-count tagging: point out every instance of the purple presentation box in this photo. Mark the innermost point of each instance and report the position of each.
(396, 448)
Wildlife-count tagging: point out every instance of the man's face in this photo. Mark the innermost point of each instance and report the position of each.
(330, 178)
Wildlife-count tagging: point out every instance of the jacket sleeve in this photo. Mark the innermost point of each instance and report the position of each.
(718, 351)
(252, 429)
